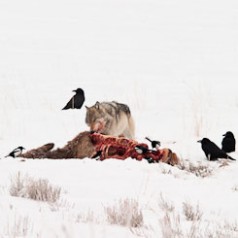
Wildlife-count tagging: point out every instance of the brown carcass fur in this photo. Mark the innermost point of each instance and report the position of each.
(91, 145)
(80, 147)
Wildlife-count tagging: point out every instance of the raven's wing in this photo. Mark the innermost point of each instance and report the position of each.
(79, 100)
(225, 143)
(218, 153)
(228, 144)
(212, 151)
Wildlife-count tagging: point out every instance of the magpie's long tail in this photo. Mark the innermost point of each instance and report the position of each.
(148, 139)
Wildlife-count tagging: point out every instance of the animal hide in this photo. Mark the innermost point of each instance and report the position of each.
(80, 147)
(91, 145)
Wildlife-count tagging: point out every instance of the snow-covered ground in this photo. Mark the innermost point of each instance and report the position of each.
(173, 62)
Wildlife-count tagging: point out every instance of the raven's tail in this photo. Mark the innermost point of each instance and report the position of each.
(229, 157)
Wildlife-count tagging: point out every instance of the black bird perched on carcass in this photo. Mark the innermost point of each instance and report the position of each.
(212, 151)
(228, 143)
(76, 102)
(154, 143)
(16, 152)
(141, 149)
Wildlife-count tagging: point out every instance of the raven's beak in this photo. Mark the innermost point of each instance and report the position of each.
(224, 135)
(199, 141)
(74, 91)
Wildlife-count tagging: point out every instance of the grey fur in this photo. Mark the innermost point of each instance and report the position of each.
(111, 118)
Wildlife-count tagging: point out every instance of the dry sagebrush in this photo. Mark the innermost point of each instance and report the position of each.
(172, 224)
(191, 213)
(126, 213)
(36, 189)
(199, 169)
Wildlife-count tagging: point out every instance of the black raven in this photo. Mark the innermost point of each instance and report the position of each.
(212, 151)
(76, 101)
(16, 152)
(228, 143)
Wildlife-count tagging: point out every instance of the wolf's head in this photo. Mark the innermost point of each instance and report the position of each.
(93, 113)
(95, 117)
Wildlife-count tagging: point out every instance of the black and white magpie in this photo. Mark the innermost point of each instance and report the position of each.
(141, 149)
(16, 152)
(154, 143)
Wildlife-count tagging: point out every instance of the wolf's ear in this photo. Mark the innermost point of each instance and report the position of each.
(87, 107)
(97, 105)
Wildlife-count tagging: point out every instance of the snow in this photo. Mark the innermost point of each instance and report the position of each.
(173, 62)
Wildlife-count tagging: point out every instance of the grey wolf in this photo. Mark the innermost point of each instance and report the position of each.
(111, 118)
(212, 151)
(76, 101)
(228, 143)
(16, 152)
